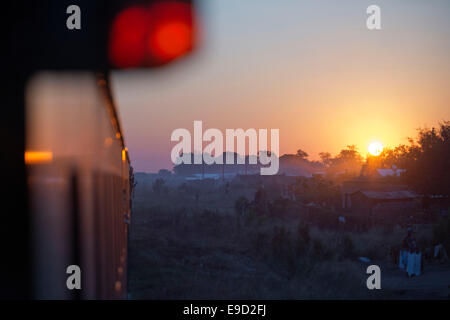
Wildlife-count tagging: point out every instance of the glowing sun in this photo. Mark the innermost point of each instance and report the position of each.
(375, 148)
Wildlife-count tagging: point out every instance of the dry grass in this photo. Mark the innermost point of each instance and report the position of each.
(185, 246)
(181, 249)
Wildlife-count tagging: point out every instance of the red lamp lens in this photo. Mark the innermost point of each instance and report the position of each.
(155, 35)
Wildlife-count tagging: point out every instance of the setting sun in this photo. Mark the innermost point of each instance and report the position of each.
(375, 148)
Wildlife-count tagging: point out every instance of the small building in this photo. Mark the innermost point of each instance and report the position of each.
(370, 199)
(383, 173)
(350, 187)
(367, 208)
(373, 202)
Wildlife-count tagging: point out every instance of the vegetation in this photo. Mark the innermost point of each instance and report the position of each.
(441, 233)
(426, 160)
(182, 247)
(279, 237)
(187, 253)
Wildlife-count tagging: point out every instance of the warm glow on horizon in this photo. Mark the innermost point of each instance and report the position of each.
(375, 148)
(323, 80)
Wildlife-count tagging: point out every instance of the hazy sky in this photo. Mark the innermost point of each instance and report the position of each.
(309, 68)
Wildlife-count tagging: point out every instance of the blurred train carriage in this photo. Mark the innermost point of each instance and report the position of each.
(79, 186)
(69, 202)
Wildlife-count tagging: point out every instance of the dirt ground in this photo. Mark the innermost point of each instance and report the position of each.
(433, 283)
(180, 251)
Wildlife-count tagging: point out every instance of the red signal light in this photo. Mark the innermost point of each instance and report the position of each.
(156, 35)
(171, 35)
(170, 40)
(127, 43)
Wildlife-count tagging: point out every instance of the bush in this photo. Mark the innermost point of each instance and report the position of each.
(283, 251)
(348, 248)
(319, 249)
(303, 232)
(259, 243)
(240, 205)
(441, 233)
(159, 186)
(300, 246)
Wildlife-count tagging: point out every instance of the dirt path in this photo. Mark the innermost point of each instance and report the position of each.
(433, 283)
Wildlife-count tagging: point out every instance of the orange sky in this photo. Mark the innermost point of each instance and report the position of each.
(310, 69)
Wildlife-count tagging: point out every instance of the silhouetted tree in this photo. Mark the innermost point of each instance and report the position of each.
(428, 161)
(301, 154)
(348, 160)
(159, 186)
(164, 173)
(326, 158)
(240, 205)
(260, 201)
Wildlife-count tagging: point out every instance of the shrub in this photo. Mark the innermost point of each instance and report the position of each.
(283, 251)
(159, 186)
(303, 232)
(240, 205)
(441, 233)
(348, 248)
(319, 249)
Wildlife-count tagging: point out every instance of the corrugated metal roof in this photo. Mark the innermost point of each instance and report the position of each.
(391, 195)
